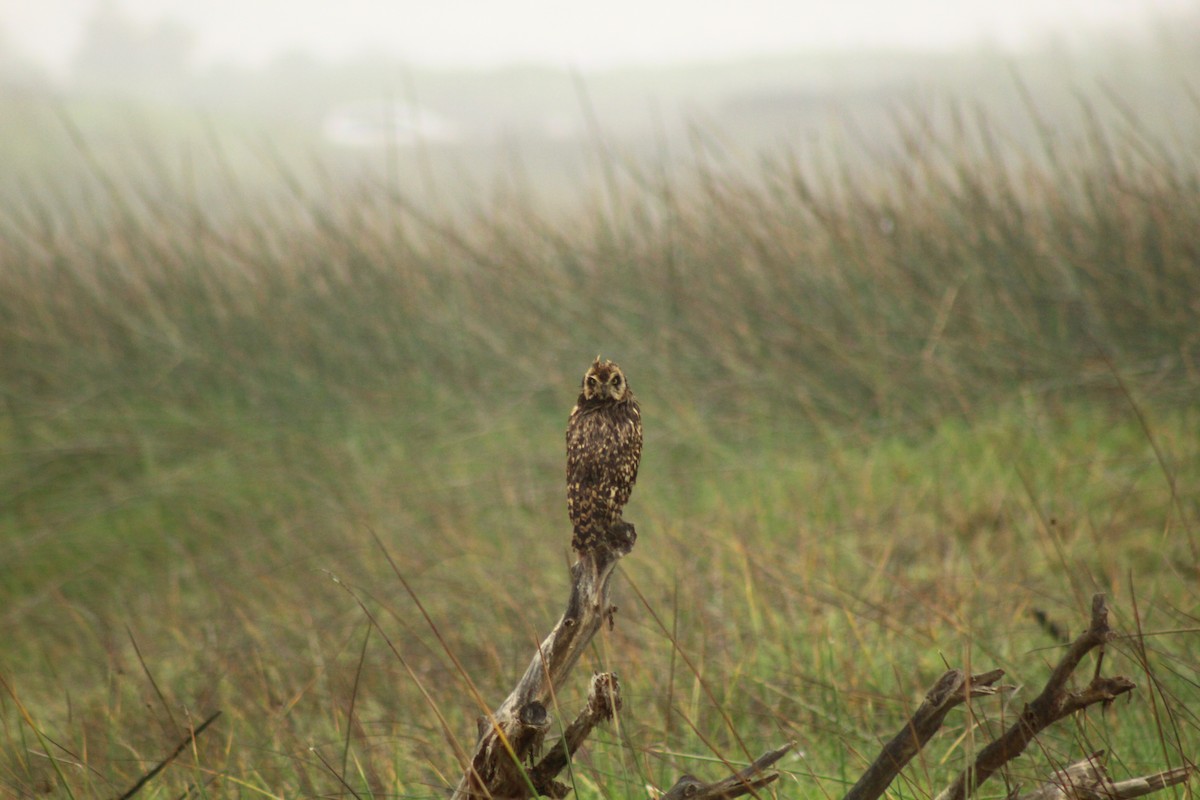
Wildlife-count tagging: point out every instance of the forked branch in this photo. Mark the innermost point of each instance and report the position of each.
(511, 736)
(1055, 702)
(604, 700)
(952, 689)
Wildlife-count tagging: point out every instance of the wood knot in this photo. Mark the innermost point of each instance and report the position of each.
(533, 714)
(686, 786)
(526, 740)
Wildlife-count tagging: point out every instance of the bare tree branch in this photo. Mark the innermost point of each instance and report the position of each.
(951, 690)
(1147, 784)
(510, 736)
(1087, 779)
(506, 766)
(1054, 703)
(745, 781)
(604, 700)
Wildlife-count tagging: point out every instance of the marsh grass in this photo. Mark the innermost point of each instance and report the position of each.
(895, 405)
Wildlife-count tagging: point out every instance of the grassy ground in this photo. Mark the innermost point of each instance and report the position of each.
(894, 410)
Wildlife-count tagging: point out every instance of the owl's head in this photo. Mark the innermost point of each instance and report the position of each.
(604, 381)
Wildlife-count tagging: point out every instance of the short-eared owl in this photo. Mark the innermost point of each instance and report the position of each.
(604, 446)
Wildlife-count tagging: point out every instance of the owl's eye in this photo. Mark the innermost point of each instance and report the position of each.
(616, 380)
(591, 380)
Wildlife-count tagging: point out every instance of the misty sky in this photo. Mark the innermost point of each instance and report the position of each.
(570, 33)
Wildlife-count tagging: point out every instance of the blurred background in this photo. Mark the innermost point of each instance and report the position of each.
(469, 90)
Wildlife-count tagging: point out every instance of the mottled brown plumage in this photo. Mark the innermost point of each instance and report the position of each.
(604, 446)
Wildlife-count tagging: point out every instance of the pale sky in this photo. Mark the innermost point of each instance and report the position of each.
(593, 34)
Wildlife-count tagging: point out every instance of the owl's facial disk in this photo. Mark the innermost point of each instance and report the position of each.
(604, 381)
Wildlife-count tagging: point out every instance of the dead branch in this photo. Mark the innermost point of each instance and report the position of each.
(1147, 784)
(952, 689)
(1087, 779)
(604, 700)
(505, 763)
(746, 781)
(1054, 703)
(510, 737)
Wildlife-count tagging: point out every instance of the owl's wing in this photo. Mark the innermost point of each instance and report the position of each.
(581, 469)
(637, 449)
(635, 440)
(576, 450)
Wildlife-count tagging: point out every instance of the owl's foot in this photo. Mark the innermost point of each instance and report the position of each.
(621, 537)
(601, 553)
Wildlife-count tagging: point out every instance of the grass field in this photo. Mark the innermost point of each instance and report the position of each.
(894, 409)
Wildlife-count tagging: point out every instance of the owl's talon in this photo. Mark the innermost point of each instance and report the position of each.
(622, 537)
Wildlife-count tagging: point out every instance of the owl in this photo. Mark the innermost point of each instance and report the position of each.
(604, 446)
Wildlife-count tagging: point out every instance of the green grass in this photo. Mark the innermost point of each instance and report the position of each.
(893, 406)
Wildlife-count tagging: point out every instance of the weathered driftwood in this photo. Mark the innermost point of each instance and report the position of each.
(503, 763)
(1087, 779)
(746, 781)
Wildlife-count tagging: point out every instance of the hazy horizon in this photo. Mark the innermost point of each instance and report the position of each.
(623, 33)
